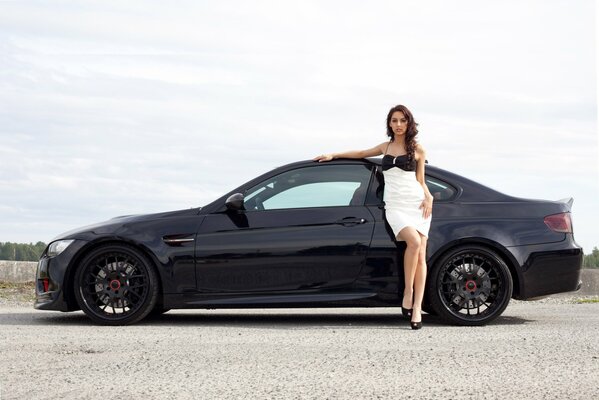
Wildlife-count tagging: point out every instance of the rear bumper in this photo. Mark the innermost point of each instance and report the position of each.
(550, 272)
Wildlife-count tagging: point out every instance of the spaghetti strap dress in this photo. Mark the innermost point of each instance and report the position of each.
(403, 195)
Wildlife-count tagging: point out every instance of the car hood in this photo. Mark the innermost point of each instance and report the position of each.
(112, 225)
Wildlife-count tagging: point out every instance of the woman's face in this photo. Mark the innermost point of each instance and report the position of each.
(398, 123)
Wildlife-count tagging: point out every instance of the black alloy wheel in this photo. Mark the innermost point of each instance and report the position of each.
(116, 285)
(470, 285)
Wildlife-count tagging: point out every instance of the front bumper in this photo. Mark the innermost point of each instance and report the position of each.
(48, 294)
(51, 279)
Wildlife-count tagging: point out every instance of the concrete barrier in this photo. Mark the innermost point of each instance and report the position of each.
(17, 271)
(590, 282)
(24, 271)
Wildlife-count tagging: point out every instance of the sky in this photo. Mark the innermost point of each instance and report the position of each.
(110, 108)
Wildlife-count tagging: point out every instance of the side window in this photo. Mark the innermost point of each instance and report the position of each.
(318, 186)
(441, 191)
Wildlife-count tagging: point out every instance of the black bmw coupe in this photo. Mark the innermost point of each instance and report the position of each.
(314, 235)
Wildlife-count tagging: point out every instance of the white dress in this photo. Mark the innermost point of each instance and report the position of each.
(403, 195)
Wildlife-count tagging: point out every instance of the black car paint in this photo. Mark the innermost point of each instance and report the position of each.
(360, 266)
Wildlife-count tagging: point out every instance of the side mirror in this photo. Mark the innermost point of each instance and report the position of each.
(235, 202)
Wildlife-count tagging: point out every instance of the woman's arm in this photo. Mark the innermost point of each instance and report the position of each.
(375, 151)
(427, 203)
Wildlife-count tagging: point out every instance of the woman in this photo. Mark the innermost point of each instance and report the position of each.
(408, 202)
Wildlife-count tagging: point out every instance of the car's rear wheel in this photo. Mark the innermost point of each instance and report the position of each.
(470, 285)
(116, 285)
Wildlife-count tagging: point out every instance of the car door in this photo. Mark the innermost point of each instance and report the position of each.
(305, 228)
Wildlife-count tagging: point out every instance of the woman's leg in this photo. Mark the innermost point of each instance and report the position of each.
(419, 280)
(410, 260)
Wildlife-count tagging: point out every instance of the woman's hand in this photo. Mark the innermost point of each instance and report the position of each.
(427, 206)
(323, 157)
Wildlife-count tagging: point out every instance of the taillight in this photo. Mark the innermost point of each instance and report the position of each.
(559, 222)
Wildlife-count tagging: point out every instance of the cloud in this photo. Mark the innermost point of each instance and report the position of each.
(110, 109)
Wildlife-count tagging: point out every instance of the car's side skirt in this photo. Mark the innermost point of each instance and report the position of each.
(278, 300)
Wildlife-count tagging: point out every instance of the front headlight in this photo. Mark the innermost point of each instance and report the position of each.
(58, 247)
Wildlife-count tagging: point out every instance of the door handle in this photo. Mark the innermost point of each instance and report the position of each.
(350, 221)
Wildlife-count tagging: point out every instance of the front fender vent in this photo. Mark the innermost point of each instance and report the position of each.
(178, 239)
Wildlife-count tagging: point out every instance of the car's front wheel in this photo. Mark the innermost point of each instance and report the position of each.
(116, 285)
(470, 285)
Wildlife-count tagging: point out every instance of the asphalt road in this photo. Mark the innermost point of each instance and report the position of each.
(543, 350)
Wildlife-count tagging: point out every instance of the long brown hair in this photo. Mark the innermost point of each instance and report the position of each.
(411, 132)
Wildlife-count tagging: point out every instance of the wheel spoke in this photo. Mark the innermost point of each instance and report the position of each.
(95, 281)
(141, 285)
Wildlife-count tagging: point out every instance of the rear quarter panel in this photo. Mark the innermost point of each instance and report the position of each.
(508, 223)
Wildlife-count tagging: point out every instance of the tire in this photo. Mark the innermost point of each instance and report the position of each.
(469, 285)
(116, 284)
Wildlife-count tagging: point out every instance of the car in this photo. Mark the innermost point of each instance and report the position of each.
(311, 234)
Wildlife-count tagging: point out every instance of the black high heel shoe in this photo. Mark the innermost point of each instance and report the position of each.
(416, 325)
(406, 312)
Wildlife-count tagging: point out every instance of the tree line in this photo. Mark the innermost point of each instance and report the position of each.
(591, 260)
(21, 251)
(32, 252)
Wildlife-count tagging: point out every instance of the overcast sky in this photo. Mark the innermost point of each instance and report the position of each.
(112, 108)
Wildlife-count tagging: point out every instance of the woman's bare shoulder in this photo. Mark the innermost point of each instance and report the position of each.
(383, 146)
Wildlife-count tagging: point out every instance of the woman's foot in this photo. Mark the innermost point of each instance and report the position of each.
(416, 321)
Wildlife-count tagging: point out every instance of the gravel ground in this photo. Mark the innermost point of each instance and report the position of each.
(536, 350)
